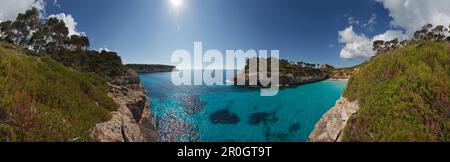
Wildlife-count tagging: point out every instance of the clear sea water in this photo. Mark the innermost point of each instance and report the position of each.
(189, 113)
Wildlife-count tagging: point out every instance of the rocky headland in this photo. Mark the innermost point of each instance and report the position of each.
(331, 125)
(144, 68)
(289, 80)
(132, 122)
(291, 74)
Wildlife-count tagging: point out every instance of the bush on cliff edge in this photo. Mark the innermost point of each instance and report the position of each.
(403, 95)
(42, 100)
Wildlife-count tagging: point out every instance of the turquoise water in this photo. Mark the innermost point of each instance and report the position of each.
(229, 113)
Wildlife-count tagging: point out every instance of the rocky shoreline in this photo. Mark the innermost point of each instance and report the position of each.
(286, 80)
(292, 81)
(343, 73)
(331, 125)
(132, 121)
(144, 68)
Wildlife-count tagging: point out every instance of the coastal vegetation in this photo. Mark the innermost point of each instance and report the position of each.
(50, 37)
(342, 73)
(42, 100)
(52, 88)
(295, 73)
(403, 91)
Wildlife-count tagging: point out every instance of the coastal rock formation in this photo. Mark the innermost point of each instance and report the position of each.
(343, 73)
(330, 127)
(142, 68)
(290, 74)
(132, 122)
(292, 80)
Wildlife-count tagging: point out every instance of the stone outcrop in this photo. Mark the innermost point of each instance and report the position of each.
(343, 73)
(332, 124)
(291, 80)
(287, 80)
(142, 68)
(132, 121)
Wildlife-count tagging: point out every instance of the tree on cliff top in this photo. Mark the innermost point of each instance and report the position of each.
(51, 36)
(426, 33)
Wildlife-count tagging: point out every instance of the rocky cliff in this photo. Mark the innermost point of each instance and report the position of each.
(142, 68)
(288, 80)
(332, 124)
(132, 122)
(343, 73)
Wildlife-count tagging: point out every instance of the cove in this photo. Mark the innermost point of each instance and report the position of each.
(235, 114)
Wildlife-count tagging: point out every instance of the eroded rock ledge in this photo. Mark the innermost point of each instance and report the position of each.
(288, 80)
(330, 127)
(132, 122)
(143, 68)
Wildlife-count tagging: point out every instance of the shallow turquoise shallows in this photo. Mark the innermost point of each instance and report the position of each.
(229, 113)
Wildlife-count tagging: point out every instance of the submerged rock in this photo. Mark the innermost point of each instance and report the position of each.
(224, 117)
(262, 117)
(275, 136)
(294, 128)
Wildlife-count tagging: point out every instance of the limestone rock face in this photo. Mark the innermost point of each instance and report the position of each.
(289, 79)
(132, 122)
(142, 68)
(330, 127)
(343, 74)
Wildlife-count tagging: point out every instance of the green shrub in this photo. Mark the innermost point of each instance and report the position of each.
(42, 100)
(403, 95)
(108, 64)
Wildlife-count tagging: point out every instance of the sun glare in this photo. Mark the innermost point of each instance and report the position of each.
(176, 3)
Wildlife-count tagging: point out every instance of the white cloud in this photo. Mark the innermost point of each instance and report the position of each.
(331, 45)
(411, 15)
(352, 21)
(390, 35)
(9, 9)
(104, 49)
(56, 4)
(355, 45)
(407, 15)
(372, 20)
(69, 21)
(370, 25)
(359, 45)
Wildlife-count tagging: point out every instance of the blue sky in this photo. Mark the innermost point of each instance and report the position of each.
(148, 31)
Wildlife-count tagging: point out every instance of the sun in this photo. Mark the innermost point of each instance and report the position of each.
(176, 3)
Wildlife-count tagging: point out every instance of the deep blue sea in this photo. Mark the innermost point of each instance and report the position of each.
(229, 113)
